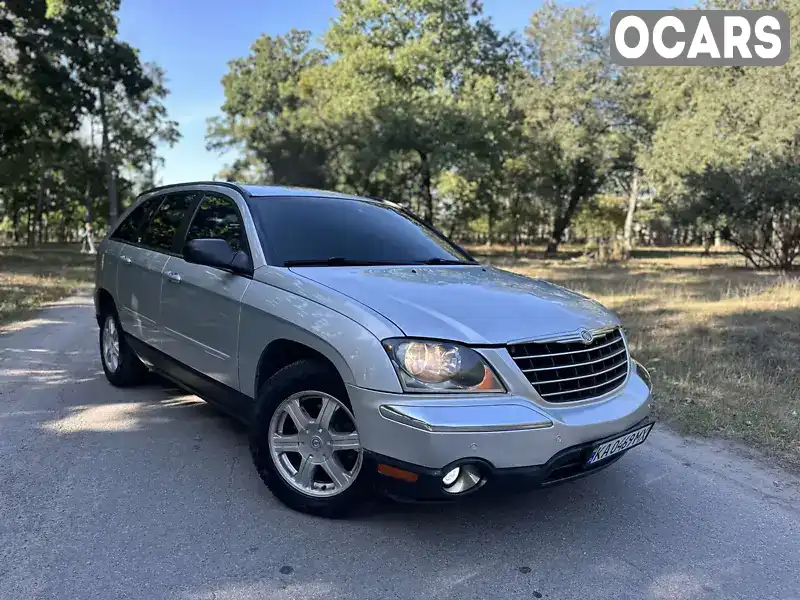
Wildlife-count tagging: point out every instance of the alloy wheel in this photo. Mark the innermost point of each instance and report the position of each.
(111, 344)
(314, 444)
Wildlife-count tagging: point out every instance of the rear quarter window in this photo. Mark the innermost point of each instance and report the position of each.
(130, 230)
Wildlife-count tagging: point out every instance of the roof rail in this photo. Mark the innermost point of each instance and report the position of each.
(227, 184)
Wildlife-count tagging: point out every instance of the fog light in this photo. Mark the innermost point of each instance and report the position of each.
(451, 476)
(461, 479)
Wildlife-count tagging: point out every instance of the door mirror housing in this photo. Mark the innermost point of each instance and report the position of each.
(216, 252)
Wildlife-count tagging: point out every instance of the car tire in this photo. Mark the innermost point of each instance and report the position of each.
(304, 380)
(120, 363)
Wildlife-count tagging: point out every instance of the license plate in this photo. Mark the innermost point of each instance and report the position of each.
(620, 444)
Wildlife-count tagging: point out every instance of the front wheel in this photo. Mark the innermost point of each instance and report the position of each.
(305, 442)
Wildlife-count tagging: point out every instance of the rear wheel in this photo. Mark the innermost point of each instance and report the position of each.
(305, 442)
(120, 364)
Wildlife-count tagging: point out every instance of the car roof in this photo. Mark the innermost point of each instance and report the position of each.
(264, 191)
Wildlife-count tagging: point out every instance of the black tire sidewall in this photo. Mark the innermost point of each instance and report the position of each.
(300, 376)
(130, 369)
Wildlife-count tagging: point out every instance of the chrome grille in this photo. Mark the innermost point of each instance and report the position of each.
(568, 370)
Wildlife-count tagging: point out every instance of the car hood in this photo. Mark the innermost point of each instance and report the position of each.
(475, 304)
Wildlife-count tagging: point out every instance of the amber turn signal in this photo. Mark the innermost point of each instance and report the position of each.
(397, 473)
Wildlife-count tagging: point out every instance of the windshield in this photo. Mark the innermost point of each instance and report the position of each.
(300, 230)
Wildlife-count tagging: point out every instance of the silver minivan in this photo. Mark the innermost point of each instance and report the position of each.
(363, 349)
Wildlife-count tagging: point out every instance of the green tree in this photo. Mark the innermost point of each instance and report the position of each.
(715, 125)
(759, 207)
(633, 125)
(262, 114)
(62, 68)
(418, 57)
(379, 111)
(566, 104)
(132, 126)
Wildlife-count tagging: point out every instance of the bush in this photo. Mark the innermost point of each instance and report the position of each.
(600, 222)
(758, 208)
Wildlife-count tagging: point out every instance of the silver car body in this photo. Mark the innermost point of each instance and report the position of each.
(221, 325)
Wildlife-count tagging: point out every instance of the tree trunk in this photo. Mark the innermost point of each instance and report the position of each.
(42, 219)
(516, 239)
(152, 170)
(515, 225)
(425, 187)
(30, 230)
(37, 219)
(61, 232)
(111, 182)
(562, 222)
(15, 224)
(490, 225)
(633, 200)
(707, 238)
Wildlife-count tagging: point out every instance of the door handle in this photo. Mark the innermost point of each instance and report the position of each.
(126, 259)
(173, 276)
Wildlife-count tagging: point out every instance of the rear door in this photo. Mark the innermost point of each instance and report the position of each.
(200, 305)
(128, 241)
(143, 261)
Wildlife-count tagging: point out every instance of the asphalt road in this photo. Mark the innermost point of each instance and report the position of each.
(149, 493)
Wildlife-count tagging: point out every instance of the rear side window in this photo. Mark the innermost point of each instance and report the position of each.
(217, 217)
(130, 230)
(160, 233)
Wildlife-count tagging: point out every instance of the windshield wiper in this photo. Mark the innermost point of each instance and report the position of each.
(339, 261)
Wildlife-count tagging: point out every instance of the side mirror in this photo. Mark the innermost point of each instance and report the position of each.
(216, 252)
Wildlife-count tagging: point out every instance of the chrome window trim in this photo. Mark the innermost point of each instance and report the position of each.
(253, 240)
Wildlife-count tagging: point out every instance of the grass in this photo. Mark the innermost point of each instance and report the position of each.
(32, 277)
(722, 342)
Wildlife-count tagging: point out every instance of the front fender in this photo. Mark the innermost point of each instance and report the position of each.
(270, 313)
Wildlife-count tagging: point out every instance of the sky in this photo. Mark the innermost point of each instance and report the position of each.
(193, 40)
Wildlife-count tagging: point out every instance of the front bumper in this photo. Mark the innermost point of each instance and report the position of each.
(567, 465)
(503, 431)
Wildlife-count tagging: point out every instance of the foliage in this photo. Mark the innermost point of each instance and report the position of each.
(262, 112)
(758, 205)
(722, 135)
(516, 138)
(600, 222)
(601, 219)
(64, 76)
(566, 105)
(383, 109)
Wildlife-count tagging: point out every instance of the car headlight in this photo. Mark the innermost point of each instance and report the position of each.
(429, 366)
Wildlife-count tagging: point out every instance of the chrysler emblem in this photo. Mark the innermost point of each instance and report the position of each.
(587, 336)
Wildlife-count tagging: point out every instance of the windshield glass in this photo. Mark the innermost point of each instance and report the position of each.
(338, 231)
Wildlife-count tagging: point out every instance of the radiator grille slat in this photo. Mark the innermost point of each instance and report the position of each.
(573, 370)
